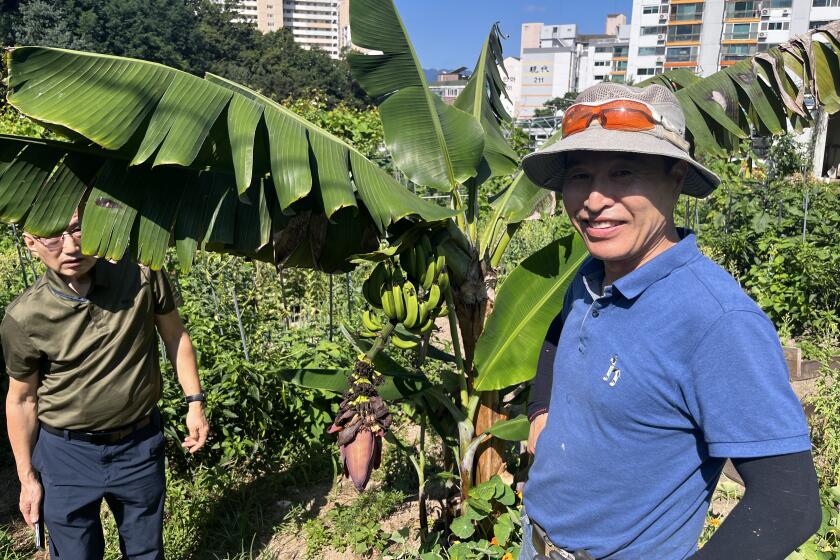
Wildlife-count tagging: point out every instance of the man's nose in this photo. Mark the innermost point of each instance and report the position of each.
(74, 244)
(597, 200)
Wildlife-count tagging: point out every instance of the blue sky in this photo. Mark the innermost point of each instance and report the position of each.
(449, 33)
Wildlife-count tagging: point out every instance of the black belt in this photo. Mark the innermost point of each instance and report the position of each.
(549, 551)
(104, 437)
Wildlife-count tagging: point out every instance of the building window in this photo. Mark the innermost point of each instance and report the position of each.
(826, 3)
(602, 63)
(599, 77)
(650, 10)
(686, 12)
(621, 51)
(682, 54)
(737, 31)
(737, 10)
(771, 4)
(775, 25)
(685, 32)
(647, 71)
(815, 24)
(651, 51)
(603, 49)
(654, 30)
(734, 53)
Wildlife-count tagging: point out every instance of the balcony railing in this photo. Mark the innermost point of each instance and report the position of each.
(741, 36)
(681, 58)
(684, 37)
(733, 57)
(694, 16)
(741, 14)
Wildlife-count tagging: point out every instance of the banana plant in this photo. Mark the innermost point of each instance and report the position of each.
(159, 156)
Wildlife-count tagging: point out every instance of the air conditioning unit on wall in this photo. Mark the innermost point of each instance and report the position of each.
(660, 37)
(762, 35)
(765, 12)
(663, 17)
(660, 59)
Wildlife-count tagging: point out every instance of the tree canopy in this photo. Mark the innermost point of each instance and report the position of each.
(553, 106)
(196, 36)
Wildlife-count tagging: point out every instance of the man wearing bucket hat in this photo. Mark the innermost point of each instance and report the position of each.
(659, 366)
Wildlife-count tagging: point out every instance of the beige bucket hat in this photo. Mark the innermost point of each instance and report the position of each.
(546, 167)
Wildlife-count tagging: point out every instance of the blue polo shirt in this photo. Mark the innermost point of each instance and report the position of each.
(657, 381)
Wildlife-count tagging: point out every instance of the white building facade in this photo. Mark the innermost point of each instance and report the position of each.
(706, 36)
(322, 24)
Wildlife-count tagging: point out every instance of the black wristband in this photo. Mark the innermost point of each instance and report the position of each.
(198, 397)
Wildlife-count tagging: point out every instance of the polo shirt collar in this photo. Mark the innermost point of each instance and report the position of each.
(61, 290)
(633, 284)
(660, 266)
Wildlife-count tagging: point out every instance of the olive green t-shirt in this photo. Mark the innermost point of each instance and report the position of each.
(97, 355)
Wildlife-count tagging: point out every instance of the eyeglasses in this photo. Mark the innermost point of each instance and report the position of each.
(618, 114)
(57, 243)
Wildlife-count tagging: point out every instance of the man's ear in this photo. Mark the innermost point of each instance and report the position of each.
(678, 172)
(30, 244)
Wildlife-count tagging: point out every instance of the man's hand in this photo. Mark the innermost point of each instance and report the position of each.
(537, 426)
(197, 426)
(31, 494)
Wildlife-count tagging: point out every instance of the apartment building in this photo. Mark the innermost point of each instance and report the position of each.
(705, 36)
(556, 59)
(602, 58)
(449, 84)
(548, 62)
(323, 24)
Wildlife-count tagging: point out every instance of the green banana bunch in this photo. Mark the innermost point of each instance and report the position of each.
(372, 325)
(402, 343)
(412, 304)
(409, 289)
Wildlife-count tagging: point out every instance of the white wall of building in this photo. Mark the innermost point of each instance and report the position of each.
(513, 85)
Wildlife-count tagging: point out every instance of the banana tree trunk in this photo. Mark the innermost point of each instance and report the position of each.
(474, 303)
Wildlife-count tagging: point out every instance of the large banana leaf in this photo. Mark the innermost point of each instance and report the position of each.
(482, 97)
(433, 143)
(193, 153)
(528, 301)
(762, 94)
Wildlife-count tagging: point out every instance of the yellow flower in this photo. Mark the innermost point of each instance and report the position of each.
(714, 521)
(507, 556)
(494, 541)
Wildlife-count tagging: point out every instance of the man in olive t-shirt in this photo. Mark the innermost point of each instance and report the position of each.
(80, 347)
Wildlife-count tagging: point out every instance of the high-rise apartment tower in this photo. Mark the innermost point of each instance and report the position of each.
(324, 24)
(705, 36)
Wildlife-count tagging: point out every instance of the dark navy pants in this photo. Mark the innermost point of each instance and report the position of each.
(77, 476)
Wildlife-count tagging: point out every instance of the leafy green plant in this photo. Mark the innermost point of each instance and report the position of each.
(489, 526)
(825, 544)
(355, 527)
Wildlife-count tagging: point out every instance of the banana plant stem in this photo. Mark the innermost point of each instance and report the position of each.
(457, 204)
(490, 233)
(456, 346)
(421, 479)
(381, 341)
(501, 247)
(472, 213)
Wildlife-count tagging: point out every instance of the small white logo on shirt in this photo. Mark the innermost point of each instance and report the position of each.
(613, 373)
